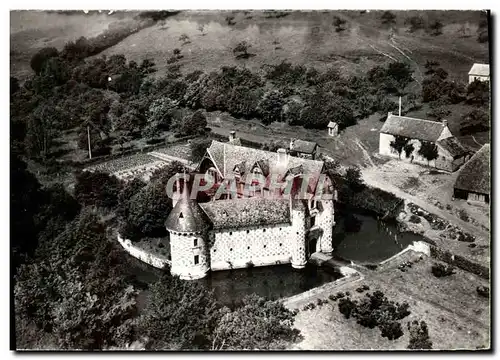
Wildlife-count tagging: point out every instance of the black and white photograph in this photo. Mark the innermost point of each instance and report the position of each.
(250, 180)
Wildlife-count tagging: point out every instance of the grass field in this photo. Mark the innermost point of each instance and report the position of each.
(308, 38)
(456, 316)
(32, 30)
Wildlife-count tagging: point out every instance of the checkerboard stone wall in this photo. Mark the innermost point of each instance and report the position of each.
(326, 220)
(251, 244)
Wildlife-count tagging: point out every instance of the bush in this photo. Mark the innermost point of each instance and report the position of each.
(375, 310)
(483, 291)
(415, 219)
(475, 121)
(440, 270)
(419, 336)
(415, 23)
(38, 60)
(97, 188)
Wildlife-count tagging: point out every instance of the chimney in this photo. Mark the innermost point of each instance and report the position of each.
(445, 123)
(400, 106)
(282, 157)
(232, 136)
(291, 143)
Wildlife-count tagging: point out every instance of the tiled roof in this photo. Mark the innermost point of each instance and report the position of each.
(453, 146)
(480, 69)
(412, 128)
(233, 155)
(303, 146)
(228, 214)
(475, 174)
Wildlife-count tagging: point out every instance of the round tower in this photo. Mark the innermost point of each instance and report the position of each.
(299, 231)
(188, 226)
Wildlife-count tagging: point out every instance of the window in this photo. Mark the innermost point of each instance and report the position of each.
(196, 259)
(195, 242)
(230, 233)
(248, 247)
(281, 244)
(248, 231)
(231, 249)
(265, 246)
(263, 230)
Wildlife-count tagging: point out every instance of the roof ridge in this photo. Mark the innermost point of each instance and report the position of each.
(412, 118)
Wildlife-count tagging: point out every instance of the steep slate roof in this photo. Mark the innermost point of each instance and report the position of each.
(475, 174)
(453, 146)
(235, 154)
(241, 167)
(480, 69)
(412, 128)
(303, 146)
(227, 214)
(187, 216)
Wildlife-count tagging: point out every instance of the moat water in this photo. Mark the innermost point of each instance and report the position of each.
(357, 237)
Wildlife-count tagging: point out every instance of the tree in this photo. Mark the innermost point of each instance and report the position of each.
(161, 112)
(147, 212)
(436, 28)
(428, 150)
(126, 193)
(401, 73)
(388, 18)
(353, 179)
(271, 106)
(257, 324)
(194, 124)
(419, 336)
(198, 149)
(25, 202)
(201, 29)
(40, 134)
(399, 143)
(478, 93)
(38, 60)
(339, 24)
(430, 67)
(415, 23)
(179, 315)
(408, 149)
(241, 50)
(243, 101)
(77, 290)
(97, 188)
(475, 121)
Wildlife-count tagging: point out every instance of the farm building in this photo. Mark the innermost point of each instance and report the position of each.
(473, 181)
(333, 128)
(303, 149)
(450, 152)
(479, 72)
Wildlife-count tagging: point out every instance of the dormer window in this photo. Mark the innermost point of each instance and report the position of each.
(181, 216)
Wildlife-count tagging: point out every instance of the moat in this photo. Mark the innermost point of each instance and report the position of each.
(362, 239)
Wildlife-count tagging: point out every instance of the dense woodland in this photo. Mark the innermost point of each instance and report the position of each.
(72, 288)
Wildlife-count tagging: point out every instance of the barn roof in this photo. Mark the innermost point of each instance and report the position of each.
(229, 214)
(412, 128)
(303, 146)
(480, 69)
(453, 146)
(226, 156)
(475, 174)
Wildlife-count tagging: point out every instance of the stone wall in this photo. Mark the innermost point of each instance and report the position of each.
(251, 246)
(190, 256)
(156, 260)
(325, 220)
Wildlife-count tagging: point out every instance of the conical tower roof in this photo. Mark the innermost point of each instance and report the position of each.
(187, 215)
